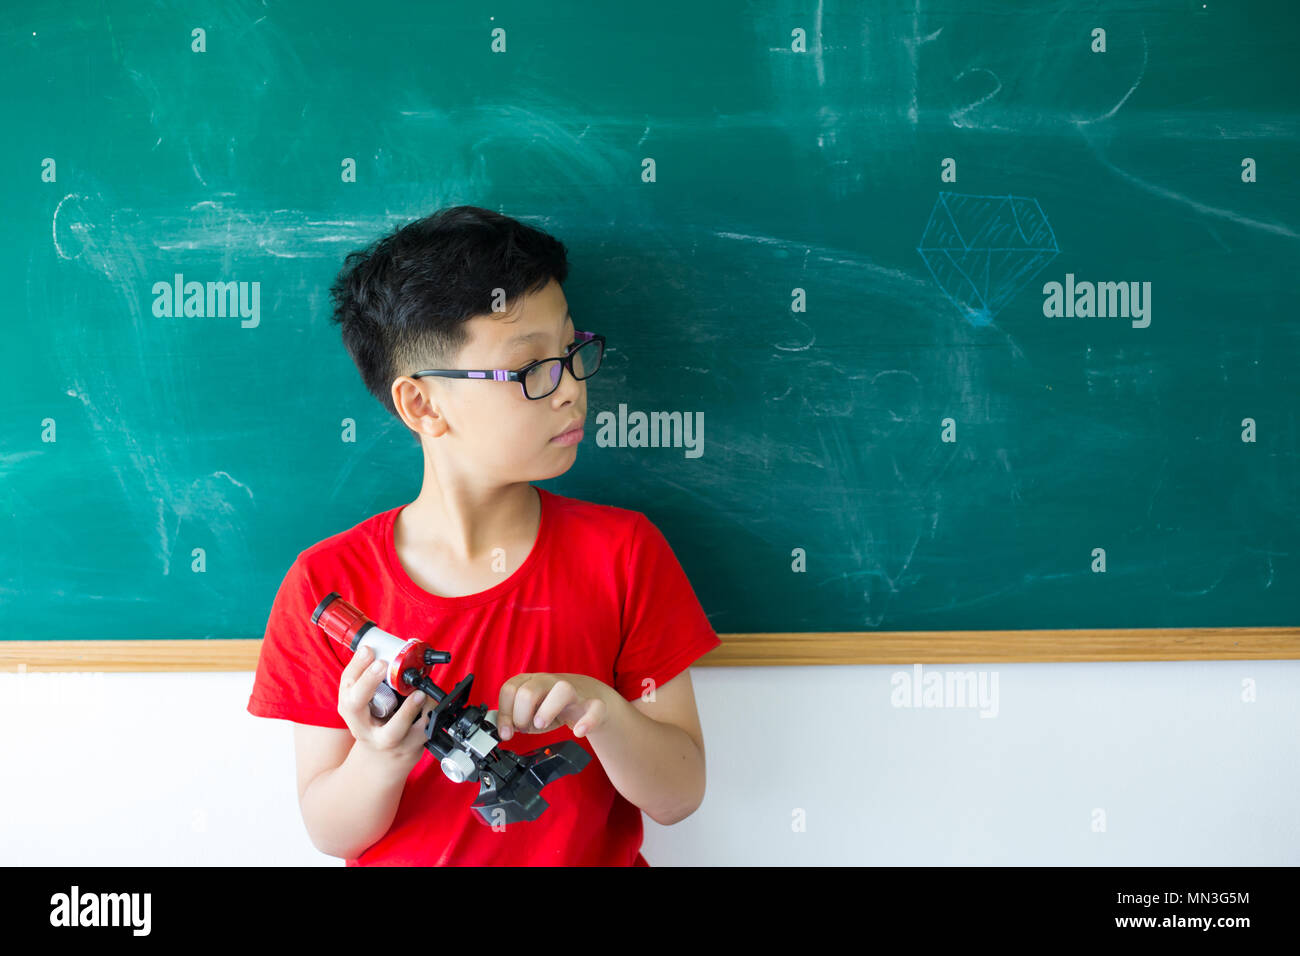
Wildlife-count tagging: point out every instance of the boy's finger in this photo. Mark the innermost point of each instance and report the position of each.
(527, 698)
(409, 713)
(595, 712)
(420, 719)
(364, 689)
(561, 696)
(356, 667)
(375, 674)
(506, 707)
(400, 723)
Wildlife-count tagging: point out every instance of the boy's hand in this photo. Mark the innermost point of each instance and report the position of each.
(403, 735)
(554, 700)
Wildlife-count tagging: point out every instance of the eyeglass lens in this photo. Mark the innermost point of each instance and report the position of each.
(543, 379)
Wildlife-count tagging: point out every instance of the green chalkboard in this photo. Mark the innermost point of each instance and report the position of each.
(825, 231)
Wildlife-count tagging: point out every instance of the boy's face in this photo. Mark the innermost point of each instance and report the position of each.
(489, 431)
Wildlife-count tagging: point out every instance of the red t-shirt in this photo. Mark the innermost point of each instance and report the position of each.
(601, 593)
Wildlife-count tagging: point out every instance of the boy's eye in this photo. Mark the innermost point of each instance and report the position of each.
(537, 358)
(567, 349)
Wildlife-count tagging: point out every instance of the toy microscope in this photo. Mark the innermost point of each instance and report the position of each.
(464, 738)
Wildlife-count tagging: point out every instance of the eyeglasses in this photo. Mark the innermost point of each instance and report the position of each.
(538, 379)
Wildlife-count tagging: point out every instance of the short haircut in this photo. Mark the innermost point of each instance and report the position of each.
(403, 301)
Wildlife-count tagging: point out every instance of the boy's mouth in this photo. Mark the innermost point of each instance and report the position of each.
(570, 436)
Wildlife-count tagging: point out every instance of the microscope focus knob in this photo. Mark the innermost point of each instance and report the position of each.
(458, 766)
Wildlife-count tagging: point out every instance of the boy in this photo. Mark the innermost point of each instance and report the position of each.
(575, 618)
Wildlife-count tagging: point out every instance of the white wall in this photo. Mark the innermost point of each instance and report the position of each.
(167, 769)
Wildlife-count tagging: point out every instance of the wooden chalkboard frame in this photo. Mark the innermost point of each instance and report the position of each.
(751, 650)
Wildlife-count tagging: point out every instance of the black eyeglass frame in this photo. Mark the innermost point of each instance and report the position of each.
(518, 375)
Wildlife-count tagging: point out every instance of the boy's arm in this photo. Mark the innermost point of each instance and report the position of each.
(347, 809)
(652, 751)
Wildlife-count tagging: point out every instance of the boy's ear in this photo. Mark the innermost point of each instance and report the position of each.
(409, 398)
(403, 394)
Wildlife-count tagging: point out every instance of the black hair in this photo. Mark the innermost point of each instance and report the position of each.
(403, 301)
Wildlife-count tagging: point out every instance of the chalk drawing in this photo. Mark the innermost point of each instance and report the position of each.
(982, 250)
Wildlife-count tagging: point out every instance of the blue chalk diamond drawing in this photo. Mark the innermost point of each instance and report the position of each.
(982, 250)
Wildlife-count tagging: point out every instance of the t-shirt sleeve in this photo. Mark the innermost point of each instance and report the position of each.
(664, 626)
(298, 670)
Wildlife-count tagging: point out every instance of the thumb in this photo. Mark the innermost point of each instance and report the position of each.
(420, 719)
